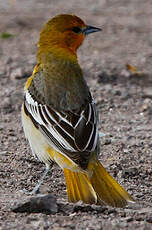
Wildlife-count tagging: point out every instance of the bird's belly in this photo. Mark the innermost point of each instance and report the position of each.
(41, 148)
(37, 141)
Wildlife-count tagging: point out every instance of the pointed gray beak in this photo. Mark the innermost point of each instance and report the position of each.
(90, 29)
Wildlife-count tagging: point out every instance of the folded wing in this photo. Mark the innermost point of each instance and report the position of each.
(73, 134)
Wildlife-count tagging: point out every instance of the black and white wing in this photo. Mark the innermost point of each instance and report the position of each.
(72, 134)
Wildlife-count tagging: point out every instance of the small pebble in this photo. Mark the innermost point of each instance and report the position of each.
(149, 219)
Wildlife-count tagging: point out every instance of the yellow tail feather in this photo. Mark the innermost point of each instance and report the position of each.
(106, 188)
(96, 186)
(79, 187)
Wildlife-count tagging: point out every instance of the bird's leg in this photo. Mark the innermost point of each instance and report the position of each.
(36, 188)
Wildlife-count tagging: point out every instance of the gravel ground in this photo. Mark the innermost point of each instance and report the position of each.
(124, 101)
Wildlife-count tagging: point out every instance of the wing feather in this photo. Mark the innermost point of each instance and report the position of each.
(73, 134)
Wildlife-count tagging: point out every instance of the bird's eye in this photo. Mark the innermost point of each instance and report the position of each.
(77, 30)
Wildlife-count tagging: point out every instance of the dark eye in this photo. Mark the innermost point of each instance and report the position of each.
(77, 30)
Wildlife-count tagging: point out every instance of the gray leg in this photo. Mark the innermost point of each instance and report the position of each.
(36, 188)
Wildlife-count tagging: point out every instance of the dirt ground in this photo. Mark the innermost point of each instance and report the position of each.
(124, 101)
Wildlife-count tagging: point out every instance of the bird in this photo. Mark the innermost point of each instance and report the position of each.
(60, 118)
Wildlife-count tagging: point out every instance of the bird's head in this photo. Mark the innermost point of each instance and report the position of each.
(65, 32)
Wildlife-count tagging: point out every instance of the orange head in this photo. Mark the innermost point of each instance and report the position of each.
(64, 34)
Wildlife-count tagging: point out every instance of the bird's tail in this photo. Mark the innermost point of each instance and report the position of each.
(79, 187)
(106, 187)
(95, 187)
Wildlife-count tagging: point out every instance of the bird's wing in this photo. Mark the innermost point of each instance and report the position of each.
(72, 134)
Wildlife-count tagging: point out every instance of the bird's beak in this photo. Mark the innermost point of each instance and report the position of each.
(90, 29)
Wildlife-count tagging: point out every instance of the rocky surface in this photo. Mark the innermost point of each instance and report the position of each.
(124, 101)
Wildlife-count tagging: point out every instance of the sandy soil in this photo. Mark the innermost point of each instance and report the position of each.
(124, 101)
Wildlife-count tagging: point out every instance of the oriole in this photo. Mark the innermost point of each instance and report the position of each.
(59, 115)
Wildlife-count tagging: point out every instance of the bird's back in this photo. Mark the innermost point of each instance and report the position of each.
(60, 84)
